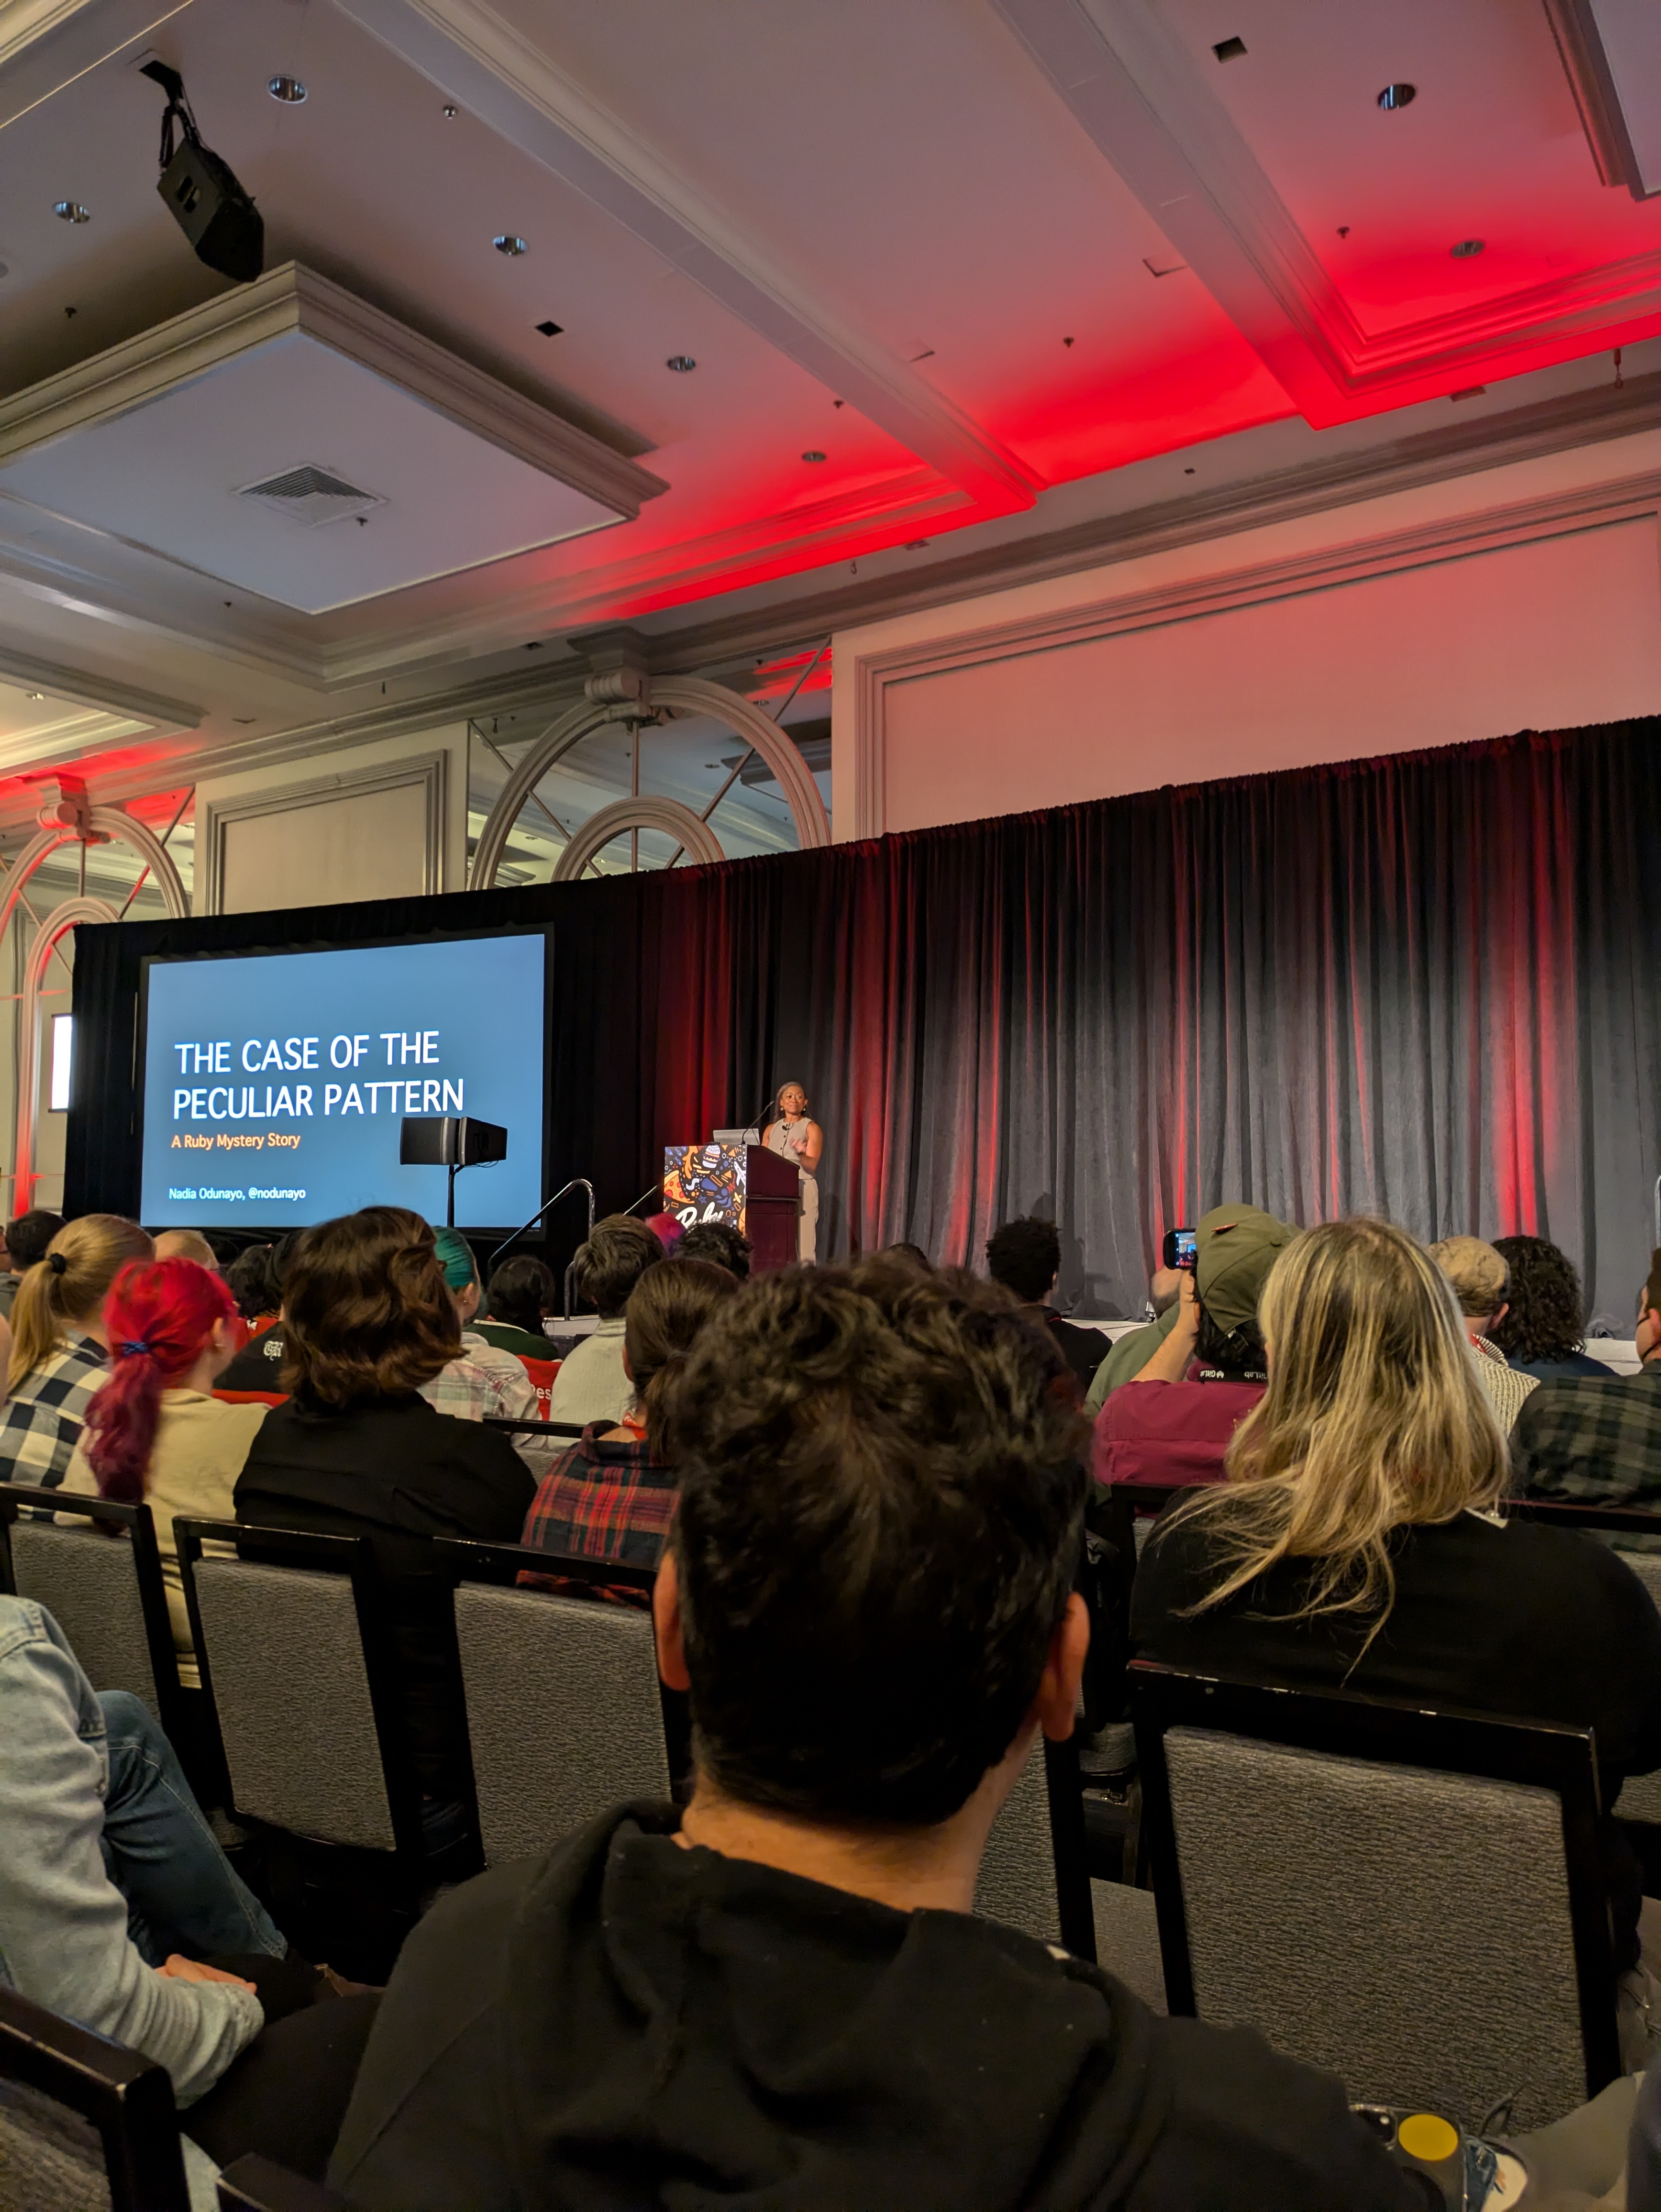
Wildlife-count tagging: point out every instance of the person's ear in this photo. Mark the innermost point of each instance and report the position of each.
(665, 1625)
(1498, 1315)
(1057, 1702)
(627, 1369)
(222, 1339)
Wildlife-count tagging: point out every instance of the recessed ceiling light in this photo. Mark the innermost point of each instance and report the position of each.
(1467, 249)
(288, 90)
(448, 111)
(551, 330)
(71, 211)
(510, 243)
(1229, 50)
(812, 457)
(1398, 95)
(682, 363)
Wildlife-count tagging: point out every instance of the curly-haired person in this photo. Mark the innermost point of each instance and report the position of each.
(782, 1995)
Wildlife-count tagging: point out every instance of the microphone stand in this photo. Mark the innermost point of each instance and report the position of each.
(577, 1182)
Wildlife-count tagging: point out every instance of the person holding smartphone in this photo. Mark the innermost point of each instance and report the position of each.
(1173, 1420)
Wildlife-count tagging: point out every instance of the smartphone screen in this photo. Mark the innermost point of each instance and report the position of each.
(1179, 1248)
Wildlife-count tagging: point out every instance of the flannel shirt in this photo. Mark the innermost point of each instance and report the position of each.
(44, 1416)
(1585, 1442)
(603, 1501)
(1507, 1386)
(483, 1381)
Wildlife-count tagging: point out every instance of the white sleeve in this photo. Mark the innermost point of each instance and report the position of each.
(64, 1938)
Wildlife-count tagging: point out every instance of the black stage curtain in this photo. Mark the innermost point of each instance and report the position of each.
(1424, 986)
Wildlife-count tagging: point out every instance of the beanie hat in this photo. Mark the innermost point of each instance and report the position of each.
(455, 1256)
(1234, 1248)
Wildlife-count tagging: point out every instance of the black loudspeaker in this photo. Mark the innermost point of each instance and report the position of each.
(450, 1140)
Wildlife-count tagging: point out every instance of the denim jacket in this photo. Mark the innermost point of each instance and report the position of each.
(64, 1939)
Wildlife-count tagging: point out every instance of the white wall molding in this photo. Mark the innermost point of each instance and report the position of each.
(875, 673)
(430, 771)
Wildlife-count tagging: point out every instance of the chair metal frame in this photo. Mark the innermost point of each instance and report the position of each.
(136, 1523)
(1606, 1520)
(352, 1557)
(127, 2098)
(1074, 1908)
(1538, 1754)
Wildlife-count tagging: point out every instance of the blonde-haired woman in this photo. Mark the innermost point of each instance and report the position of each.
(1358, 1540)
(58, 1344)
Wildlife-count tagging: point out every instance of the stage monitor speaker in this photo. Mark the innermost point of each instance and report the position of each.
(450, 1140)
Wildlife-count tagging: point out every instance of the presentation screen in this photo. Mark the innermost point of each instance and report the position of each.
(276, 1084)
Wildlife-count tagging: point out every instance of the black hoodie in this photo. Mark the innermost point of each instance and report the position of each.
(625, 2023)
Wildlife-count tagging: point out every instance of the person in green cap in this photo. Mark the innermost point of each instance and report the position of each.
(1173, 1422)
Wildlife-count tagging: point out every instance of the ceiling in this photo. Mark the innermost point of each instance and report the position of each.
(1009, 266)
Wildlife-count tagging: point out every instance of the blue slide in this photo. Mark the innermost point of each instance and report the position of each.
(275, 1085)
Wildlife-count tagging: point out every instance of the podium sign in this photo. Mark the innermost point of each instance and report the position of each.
(745, 1185)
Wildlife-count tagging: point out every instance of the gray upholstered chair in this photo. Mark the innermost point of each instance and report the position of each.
(1035, 1876)
(565, 1713)
(101, 1580)
(85, 2125)
(298, 1661)
(1640, 1799)
(1412, 1900)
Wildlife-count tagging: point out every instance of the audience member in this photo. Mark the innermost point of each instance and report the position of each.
(155, 1430)
(357, 1451)
(1131, 1352)
(1024, 1255)
(1479, 1276)
(913, 1253)
(593, 1384)
(482, 1381)
(1358, 1543)
(521, 1294)
(718, 1241)
(119, 1910)
(1173, 1420)
(187, 1244)
(1543, 1331)
(782, 1995)
(252, 1279)
(667, 1228)
(612, 1494)
(259, 1366)
(1586, 1441)
(58, 1341)
(27, 1239)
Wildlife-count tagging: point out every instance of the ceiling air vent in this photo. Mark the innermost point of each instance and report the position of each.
(311, 494)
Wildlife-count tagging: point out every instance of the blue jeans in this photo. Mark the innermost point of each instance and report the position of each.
(181, 1893)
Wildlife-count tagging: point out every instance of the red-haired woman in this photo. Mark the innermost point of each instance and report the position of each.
(154, 1429)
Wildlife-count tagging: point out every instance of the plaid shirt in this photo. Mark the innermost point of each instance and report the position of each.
(1589, 1442)
(483, 1380)
(44, 1415)
(603, 1501)
(1506, 1386)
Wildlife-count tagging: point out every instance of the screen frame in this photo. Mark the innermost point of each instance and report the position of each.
(376, 942)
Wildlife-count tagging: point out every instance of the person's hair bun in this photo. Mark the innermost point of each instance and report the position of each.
(57, 1263)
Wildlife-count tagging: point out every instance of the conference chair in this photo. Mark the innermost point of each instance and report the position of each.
(565, 1712)
(1641, 1797)
(85, 2124)
(100, 1579)
(1035, 1873)
(1412, 1900)
(299, 1665)
(541, 1374)
(254, 2183)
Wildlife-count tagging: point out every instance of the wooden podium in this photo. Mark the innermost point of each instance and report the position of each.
(756, 1191)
